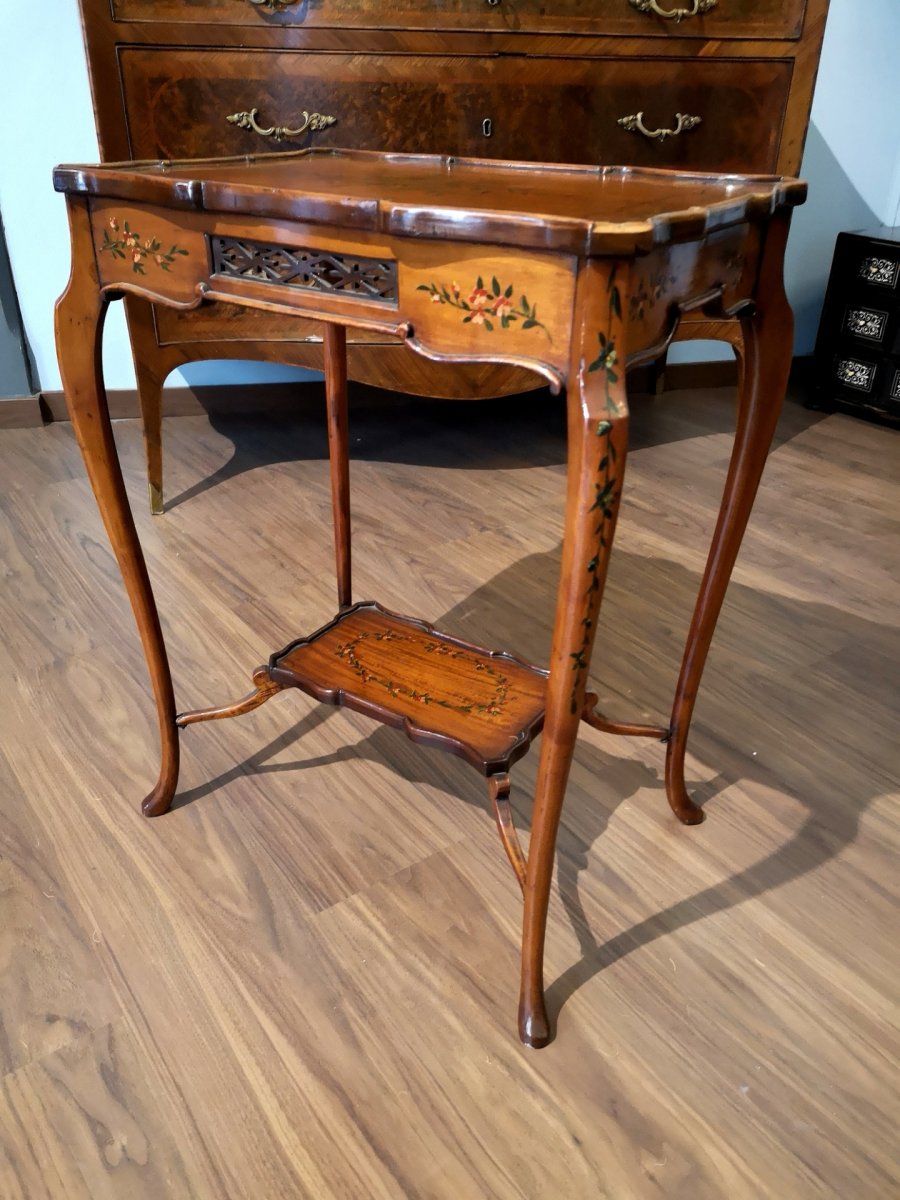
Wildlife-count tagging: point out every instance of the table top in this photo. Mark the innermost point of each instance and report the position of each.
(600, 210)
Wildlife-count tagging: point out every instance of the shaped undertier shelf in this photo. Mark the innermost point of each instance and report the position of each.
(484, 705)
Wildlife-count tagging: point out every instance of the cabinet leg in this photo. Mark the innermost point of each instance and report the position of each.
(339, 454)
(79, 326)
(764, 368)
(597, 447)
(150, 390)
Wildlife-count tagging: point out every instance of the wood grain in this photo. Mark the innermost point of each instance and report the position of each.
(299, 984)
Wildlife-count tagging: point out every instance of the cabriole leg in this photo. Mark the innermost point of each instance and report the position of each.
(764, 369)
(598, 443)
(79, 326)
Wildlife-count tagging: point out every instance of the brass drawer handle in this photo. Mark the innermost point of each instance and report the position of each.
(669, 14)
(311, 121)
(272, 5)
(635, 124)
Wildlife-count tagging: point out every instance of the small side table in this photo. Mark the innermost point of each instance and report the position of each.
(574, 273)
(857, 359)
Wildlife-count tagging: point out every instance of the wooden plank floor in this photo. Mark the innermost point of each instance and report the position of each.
(303, 981)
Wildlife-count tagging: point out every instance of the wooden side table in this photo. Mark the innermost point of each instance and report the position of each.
(574, 273)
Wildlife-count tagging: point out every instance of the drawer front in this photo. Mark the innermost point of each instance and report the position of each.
(863, 379)
(635, 18)
(564, 109)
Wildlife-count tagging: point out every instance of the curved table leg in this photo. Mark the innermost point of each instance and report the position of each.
(79, 327)
(764, 369)
(598, 443)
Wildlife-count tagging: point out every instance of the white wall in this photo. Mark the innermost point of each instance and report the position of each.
(852, 158)
(852, 164)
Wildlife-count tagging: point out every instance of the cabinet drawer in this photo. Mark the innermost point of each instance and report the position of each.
(635, 18)
(562, 109)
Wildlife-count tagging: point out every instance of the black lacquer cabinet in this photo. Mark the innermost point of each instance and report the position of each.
(857, 360)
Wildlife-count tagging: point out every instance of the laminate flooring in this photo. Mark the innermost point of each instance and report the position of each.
(303, 981)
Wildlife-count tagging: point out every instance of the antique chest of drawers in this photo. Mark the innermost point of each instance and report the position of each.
(857, 361)
(717, 85)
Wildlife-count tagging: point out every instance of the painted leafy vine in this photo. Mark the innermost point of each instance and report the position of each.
(605, 484)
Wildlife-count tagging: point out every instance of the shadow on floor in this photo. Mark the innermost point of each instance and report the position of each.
(516, 431)
(802, 727)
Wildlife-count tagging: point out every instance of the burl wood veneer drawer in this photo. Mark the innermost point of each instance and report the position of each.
(179, 102)
(721, 19)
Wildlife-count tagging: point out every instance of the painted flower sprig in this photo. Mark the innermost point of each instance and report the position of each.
(127, 244)
(486, 306)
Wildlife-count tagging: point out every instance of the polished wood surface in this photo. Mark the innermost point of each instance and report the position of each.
(438, 104)
(510, 79)
(736, 18)
(594, 211)
(611, 259)
(217, 1007)
(481, 704)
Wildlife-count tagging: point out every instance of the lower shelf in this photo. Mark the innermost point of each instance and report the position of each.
(484, 705)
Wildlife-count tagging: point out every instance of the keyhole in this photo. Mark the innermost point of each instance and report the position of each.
(487, 125)
(493, 2)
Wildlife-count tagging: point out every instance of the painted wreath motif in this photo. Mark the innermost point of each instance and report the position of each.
(486, 306)
(492, 708)
(130, 246)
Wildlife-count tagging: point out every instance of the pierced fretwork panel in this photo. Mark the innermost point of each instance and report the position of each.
(371, 278)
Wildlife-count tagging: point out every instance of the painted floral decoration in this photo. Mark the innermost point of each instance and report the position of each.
(126, 243)
(486, 306)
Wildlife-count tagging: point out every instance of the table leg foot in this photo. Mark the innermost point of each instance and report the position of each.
(534, 1027)
(687, 812)
(160, 799)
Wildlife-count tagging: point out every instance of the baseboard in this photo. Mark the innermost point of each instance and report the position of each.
(239, 398)
(22, 412)
(246, 398)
